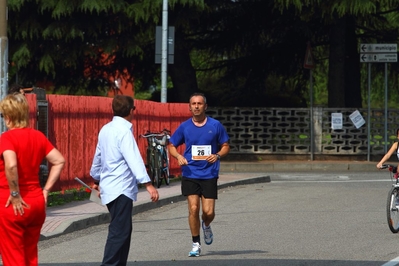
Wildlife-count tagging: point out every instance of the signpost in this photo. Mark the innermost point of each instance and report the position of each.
(309, 62)
(378, 53)
(164, 60)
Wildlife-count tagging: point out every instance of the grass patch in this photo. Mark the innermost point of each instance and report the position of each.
(62, 197)
(65, 196)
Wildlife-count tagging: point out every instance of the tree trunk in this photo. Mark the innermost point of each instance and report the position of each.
(344, 68)
(353, 96)
(336, 68)
(182, 72)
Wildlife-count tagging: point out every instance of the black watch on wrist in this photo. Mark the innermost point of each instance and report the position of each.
(217, 155)
(14, 193)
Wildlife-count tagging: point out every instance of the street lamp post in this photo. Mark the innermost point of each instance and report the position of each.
(3, 54)
(164, 59)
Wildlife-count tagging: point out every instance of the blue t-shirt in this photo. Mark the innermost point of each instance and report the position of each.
(212, 133)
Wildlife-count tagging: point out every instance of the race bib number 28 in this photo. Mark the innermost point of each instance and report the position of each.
(200, 152)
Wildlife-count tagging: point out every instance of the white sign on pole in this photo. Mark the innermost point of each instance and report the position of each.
(357, 119)
(336, 121)
(378, 48)
(378, 53)
(379, 58)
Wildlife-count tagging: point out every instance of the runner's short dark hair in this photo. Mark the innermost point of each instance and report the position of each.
(197, 94)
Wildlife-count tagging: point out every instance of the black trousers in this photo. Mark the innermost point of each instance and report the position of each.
(119, 232)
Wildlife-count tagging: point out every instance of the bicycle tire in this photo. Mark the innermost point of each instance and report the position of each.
(150, 166)
(157, 172)
(393, 210)
(165, 168)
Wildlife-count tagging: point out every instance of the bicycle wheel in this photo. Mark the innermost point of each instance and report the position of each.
(165, 168)
(393, 209)
(150, 166)
(157, 170)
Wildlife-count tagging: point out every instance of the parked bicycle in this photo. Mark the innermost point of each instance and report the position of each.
(157, 156)
(393, 199)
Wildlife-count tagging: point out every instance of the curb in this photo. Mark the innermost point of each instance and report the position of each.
(76, 224)
(80, 223)
(248, 181)
(270, 166)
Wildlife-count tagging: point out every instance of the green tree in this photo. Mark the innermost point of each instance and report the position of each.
(248, 53)
(251, 52)
(73, 43)
(243, 52)
(348, 23)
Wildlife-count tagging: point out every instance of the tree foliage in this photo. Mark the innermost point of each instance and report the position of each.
(347, 24)
(67, 42)
(241, 52)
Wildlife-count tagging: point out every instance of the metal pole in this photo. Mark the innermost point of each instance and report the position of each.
(368, 112)
(386, 109)
(164, 59)
(311, 116)
(3, 54)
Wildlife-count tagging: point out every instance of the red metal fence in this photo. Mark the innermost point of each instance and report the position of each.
(74, 123)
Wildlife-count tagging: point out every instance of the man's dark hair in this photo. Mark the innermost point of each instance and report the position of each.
(197, 94)
(121, 105)
(15, 88)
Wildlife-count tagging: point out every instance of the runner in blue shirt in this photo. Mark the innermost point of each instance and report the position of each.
(206, 141)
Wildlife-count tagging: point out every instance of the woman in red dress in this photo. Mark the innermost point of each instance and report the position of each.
(22, 200)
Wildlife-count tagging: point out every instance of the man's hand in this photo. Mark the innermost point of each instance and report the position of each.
(153, 192)
(181, 160)
(213, 158)
(96, 188)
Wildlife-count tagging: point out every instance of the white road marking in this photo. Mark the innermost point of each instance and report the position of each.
(393, 262)
(329, 181)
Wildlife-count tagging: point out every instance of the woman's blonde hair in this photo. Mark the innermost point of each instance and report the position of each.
(16, 108)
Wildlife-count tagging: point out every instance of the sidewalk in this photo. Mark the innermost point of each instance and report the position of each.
(82, 214)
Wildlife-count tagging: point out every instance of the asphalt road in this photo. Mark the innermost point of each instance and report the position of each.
(307, 218)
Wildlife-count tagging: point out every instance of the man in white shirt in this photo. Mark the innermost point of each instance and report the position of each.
(117, 169)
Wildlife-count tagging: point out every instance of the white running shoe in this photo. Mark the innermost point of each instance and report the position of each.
(196, 251)
(208, 235)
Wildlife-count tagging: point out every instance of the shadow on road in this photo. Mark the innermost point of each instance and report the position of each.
(235, 262)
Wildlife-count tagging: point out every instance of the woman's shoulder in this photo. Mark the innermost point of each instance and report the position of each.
(35, 132)
(22, 133)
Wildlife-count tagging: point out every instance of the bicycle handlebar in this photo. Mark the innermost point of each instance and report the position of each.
(152, 135)
(391, 168)
(384, 166)
(165, 132)
(157, 138)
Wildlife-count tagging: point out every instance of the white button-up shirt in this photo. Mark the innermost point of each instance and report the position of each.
(117, 162)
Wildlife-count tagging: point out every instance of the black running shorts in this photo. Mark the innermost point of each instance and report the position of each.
(202, 187)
